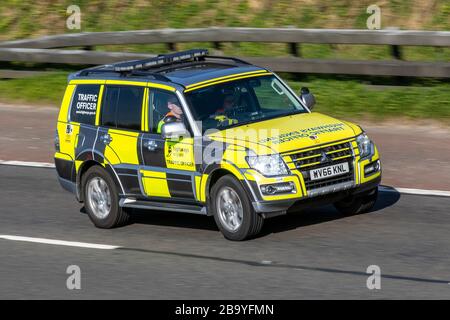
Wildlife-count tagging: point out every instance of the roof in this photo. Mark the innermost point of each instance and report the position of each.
(195, 74)
(182, 68)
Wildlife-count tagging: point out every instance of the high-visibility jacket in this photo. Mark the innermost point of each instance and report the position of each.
(221, 117)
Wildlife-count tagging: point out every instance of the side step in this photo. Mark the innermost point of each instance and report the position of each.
(151, 205)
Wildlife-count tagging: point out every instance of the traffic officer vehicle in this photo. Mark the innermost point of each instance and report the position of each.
(210, 135)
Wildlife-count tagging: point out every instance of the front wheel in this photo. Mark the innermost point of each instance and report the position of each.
(233, 211)
(101, 199)
(357, 204)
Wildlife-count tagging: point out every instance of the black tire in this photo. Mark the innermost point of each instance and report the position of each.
(251, 223)
(357, 204)
(117, 216)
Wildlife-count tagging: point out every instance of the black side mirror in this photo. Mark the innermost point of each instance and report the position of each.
(307, 98)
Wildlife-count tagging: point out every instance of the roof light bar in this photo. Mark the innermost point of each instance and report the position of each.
(160, 60)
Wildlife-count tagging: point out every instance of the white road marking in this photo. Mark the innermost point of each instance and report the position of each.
(27, 164)
(60, 242)
(422, 192)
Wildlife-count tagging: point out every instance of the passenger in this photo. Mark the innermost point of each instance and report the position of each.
(222, 114)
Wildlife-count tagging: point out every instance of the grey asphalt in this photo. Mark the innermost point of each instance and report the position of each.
(313, 254)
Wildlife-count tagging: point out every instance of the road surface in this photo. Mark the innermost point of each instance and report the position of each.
(314, 254)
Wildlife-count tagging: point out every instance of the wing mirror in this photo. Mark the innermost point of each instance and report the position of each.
(174, 130)
(307, 98)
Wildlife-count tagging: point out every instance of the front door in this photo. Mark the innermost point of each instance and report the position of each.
(169, 168)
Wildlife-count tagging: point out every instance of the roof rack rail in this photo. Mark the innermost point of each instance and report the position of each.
(97, 69)
(160, 60)
(228, 58)
(156, 76)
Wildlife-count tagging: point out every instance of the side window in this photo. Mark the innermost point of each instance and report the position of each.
(109, 107)
(160, 103)
(122, 107)
(129, 108)
(84, 104)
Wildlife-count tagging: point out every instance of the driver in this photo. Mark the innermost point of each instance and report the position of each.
(221, 114)
(175, 113)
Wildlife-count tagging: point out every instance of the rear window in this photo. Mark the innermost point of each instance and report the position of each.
(122, 107)
(84, 104)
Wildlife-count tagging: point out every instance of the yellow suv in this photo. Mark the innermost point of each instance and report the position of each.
(217, 136)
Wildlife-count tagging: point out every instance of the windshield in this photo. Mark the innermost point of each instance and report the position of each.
(242, 101)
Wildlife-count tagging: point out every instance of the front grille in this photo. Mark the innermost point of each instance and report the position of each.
(312, 158)
(337, 153)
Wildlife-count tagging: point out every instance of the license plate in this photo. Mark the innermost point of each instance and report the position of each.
(330, 171)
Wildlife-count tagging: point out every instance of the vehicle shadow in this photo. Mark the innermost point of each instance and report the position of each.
(322, 214)
(173, 219)
(273, 225)
(170, 219)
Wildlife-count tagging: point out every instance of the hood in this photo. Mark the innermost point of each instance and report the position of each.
(288, 133)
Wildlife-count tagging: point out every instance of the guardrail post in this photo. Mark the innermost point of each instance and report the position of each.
(395, 49)
(294, 49)
(396, 52)
(172, 46)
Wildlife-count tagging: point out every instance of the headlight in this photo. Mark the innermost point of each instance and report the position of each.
(365, 146)
(271, 165)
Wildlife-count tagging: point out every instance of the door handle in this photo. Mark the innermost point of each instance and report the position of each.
(151, 145)
(106, 138)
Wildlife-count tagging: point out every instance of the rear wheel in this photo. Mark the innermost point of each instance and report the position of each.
(359, 203)
(233, 211)
(101, 199)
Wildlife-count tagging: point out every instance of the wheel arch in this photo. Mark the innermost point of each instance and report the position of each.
(84, 167)
(220, 172)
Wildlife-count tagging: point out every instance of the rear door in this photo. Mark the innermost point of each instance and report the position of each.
(120, 119)
(169, 168)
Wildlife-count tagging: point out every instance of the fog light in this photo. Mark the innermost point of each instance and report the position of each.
(372, 168)
(276, 188)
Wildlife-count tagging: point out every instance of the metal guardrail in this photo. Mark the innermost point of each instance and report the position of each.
(48, 49)
(278, 35)
(279, 64)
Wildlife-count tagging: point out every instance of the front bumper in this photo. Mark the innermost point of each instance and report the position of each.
(364, 174)
(274, 208)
